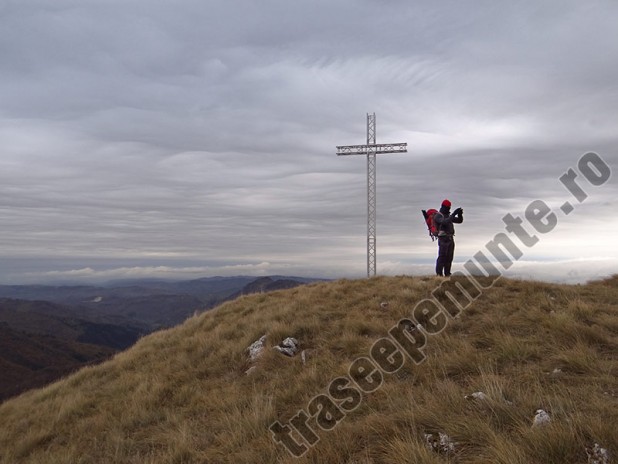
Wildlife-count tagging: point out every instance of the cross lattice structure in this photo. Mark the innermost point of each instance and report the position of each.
(371, 149)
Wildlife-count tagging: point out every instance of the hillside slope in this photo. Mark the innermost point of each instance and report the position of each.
(46, 318)
(41, 341)
(30, 361)
(182, 395)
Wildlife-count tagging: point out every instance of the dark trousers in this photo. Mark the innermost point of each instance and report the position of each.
(446, 251)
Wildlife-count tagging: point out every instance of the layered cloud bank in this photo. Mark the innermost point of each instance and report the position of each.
(193, 138)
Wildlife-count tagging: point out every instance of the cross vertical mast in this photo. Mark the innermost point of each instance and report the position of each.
(371, 195)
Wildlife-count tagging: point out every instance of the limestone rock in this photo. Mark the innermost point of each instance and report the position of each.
(479, 395)
(541, 418)
(440, 443)
(289, 346)
(597, 455)
(256, 348)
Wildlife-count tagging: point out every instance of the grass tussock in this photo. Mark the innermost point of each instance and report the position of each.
(182, 395)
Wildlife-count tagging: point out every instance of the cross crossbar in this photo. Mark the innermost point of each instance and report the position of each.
(376, 148)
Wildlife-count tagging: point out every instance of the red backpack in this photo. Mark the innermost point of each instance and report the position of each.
(431, 225)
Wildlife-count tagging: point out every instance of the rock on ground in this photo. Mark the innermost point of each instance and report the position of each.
(256, 348)
(289, 346)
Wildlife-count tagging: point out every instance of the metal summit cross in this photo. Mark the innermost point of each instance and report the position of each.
(371, 149)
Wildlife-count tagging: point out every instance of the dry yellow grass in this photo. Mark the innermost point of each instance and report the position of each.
(182, 396)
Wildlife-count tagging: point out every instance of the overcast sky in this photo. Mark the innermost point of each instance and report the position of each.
(192, 138)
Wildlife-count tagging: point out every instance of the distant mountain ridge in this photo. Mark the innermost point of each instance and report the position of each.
(51, 319)
(154, 303)
(266, 284)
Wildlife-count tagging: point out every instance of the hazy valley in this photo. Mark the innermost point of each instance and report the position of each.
(50, 331)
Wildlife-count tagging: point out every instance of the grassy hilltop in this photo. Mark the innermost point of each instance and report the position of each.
(182, 395)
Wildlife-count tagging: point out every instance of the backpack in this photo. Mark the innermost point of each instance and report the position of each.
(431, 225)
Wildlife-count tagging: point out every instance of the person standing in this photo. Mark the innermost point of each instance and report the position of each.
(446, 233)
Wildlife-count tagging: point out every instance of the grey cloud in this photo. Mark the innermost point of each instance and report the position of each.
(202, 135)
